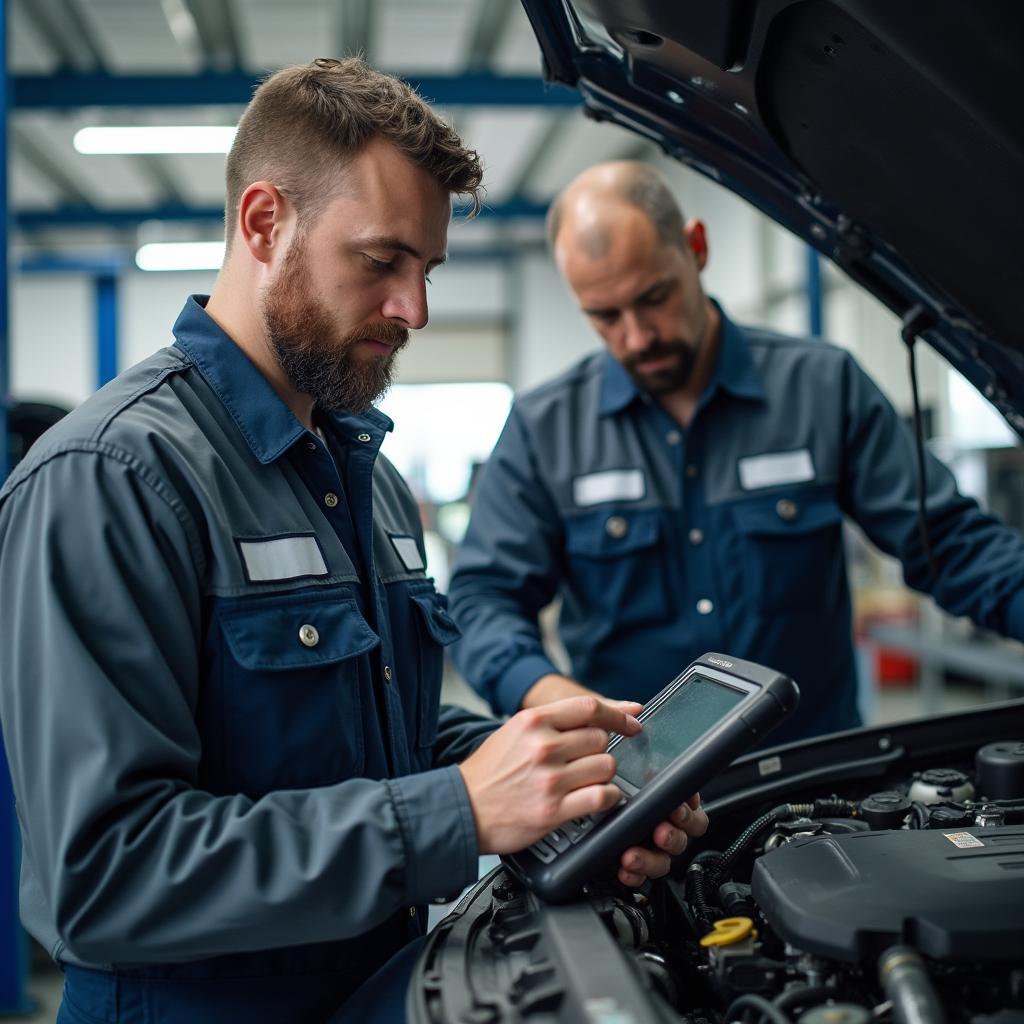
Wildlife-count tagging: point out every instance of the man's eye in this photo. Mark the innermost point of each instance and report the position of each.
(656, 298)
(606, 316)
(374, 264)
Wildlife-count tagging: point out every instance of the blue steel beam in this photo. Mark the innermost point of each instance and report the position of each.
(68, 90)
(517, 207)
(106, 329)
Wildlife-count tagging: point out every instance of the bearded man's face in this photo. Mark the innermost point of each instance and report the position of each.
(319, 356)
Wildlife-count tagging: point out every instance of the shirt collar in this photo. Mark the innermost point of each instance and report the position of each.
(734, 372)
(269, 427)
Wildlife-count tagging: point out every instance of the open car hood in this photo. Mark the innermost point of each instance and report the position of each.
(886, 135)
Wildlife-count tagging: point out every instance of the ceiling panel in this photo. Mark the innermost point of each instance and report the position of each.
(29, 190)
(275, 33)
(504, 139)
(581, 144)
(113, 181)
(135, 36)
(414, 36)
(27, 53)
(517, 52)
(200, 177)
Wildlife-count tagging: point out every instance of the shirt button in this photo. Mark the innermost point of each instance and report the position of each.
(363, 437)
(311, 445)
(330, 499)
(308, 635)
(387, 673)
(616, 527)
(787, 509)
(704, 606)
(673, 437)
(696, 536)
(691, 471)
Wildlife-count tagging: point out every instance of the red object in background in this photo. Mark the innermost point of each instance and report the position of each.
(893, 669)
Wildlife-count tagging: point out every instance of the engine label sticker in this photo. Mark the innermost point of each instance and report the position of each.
(769, 765)
(963, 840)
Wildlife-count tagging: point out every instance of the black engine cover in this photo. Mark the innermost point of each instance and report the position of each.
(952, 895)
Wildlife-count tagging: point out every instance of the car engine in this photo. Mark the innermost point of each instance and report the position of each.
(850, 904)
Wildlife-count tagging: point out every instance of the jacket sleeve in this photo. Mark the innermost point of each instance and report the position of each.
(129, 861)
(508, 568)
(459, 733)
(980, 561)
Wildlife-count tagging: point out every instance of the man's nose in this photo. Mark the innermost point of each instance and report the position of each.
(638, 334)
(408, 304)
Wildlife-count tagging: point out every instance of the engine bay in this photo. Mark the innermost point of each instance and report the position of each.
(876, 875)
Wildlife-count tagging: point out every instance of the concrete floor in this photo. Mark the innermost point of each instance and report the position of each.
(888, 705)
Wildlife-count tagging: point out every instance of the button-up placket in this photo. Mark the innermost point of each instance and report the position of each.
(364, 441)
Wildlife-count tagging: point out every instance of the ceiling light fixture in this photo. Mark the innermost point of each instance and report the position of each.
(180, 256)
(169, 138)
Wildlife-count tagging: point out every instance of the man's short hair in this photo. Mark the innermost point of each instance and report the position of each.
(305, 122)
(641, 186)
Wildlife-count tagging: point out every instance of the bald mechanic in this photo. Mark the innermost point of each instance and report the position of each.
(683, 490)
(220, 654)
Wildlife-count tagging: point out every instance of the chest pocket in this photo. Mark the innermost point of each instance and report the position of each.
(292, 681)
(792, 546)
(618, 566)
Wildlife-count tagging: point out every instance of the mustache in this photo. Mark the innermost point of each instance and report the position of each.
(385, 331)
(656, 350)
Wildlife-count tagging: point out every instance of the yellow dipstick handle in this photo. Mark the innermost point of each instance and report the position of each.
(728, 931)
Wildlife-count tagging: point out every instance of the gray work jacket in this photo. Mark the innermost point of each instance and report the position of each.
(220, 666)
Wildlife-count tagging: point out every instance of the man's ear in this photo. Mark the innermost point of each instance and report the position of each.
(696, 239)
(263, 212)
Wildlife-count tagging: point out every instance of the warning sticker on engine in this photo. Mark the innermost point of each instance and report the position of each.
(963, 840)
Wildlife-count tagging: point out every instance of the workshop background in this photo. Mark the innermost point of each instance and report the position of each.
(97, 272)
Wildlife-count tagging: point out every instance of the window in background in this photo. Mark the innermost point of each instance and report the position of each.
(442, 431)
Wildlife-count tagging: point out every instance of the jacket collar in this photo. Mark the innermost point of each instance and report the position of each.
(269, 427)
(734, 372)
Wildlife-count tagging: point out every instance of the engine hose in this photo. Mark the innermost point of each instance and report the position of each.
(699, 875)
(903, 976)
(764, 1010)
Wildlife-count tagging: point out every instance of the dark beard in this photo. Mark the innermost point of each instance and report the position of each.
(666, 380)
(316, 362)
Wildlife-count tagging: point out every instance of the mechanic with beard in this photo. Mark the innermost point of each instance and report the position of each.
(221, 655)
(683, 491)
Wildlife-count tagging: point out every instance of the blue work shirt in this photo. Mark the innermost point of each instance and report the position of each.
(220, 668)
(666, 542)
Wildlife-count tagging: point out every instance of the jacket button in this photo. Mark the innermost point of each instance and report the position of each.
(673, 437)
(616, 527)
(308, 635)
(330, 499)
(388, 673)
(412, 911)
(363, 437)
(696, 536)
(691, 471)
(787, 509)
(705, 607)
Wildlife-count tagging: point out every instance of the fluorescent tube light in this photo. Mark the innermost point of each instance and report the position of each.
(196, 138)
(180, 256)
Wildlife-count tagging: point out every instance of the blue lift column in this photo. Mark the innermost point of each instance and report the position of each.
(815, 307)
(13, 954)
(106, 328)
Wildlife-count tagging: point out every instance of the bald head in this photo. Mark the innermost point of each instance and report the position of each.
(591, 207)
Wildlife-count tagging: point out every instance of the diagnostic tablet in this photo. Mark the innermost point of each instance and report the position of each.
(715, 711)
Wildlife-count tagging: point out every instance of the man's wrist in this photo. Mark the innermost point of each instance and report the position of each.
(550, 688)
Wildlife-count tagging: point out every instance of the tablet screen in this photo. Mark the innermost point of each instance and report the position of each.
(681, 720)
